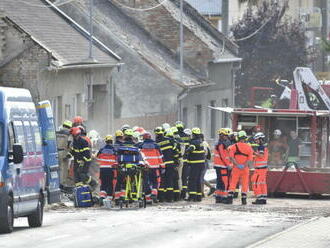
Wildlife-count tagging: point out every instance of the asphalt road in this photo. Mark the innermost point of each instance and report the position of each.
(179, 225)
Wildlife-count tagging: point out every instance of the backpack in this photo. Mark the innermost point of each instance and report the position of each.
(128, 154)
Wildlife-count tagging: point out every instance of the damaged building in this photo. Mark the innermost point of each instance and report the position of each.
(148, 87)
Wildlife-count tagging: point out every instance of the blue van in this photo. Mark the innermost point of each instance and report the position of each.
(23, 173)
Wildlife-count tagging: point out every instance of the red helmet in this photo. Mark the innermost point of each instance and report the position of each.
(78, 119)
(146, 136)
(75, 131)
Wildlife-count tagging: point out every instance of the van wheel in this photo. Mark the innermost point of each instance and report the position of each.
(7, 222)
(35, 219)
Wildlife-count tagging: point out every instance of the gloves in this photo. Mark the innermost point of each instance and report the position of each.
(240, 166)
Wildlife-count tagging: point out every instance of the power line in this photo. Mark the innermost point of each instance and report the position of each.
(138, 9)
(254, 33)
(45, 5)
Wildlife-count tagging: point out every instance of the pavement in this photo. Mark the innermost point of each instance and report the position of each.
(313, 233)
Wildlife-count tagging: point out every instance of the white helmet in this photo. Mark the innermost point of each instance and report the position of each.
(259, 135)
(277, 132)
(187, 131)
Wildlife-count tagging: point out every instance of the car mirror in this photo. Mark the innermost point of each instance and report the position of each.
(18, 154)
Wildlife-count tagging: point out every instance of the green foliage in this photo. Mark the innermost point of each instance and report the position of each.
(271, 46)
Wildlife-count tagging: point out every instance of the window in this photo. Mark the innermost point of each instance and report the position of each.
(198, 116)
(29, 139)
(225, 117)
(36, 136)
(18, 128)
(185, 115)
(213, 123)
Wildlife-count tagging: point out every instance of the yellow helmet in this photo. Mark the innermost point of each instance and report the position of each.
(67, 124)
(196, 130)
(223, 131)
(119, 133)
(108, 138)
(159, 130)
(242, 135)
(230, 131)
(174, 130)
(129, 132)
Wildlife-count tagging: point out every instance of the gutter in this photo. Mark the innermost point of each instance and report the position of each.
(83, 66)
(227, 60)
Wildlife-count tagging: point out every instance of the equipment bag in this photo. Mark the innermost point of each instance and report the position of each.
(82, 197)
(128, 155)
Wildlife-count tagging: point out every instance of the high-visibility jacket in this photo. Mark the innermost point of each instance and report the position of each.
(196, 153)
(107, 157)
(152, 154)
(169, 150)
(261, 159)
(80, 150)
(241, 152)
(221, 155)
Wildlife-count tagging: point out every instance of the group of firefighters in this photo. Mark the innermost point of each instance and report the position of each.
(174, 162)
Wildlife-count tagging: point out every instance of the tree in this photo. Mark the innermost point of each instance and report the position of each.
(271, 46)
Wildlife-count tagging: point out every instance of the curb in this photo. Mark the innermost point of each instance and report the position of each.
(258, 243)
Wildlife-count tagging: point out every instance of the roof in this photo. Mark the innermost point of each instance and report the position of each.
(125, 31)
(57, 33)
(206, 25)
(207, 7)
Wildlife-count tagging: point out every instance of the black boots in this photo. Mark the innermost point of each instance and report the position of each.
(244, 202)
(260, 202)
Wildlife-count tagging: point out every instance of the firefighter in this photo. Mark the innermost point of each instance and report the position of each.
(196, 159)
(81, 153)
(177, 157)
(184, 140)
(258, 179)
(277, 149)
(241, 155)
(119, 138)
(79, 121)
(221, 163)
(186, 167)
(154, 159)
(107, 159)
(168, 149)
(64, 140)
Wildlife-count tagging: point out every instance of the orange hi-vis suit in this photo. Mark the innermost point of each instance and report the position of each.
(154, 159)
(259, 184)
(221, 162)
(107, 160)
(242, 153)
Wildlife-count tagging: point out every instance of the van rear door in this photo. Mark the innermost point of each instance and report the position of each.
(46, 123)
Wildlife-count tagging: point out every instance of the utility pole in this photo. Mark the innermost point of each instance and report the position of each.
(91, 6)
(181, 53)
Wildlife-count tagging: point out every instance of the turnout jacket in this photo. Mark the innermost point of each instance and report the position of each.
(107, 157)
(80, 150)
(196, 153)
(169, 150)
(151, 153)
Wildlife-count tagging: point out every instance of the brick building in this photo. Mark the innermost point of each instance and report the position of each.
(43, 50)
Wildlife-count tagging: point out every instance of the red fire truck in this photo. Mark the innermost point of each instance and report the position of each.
(308, 116)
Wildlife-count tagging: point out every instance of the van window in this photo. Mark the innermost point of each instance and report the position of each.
(11, 137)
(18, 128)
(36, 135)
(30, 141)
